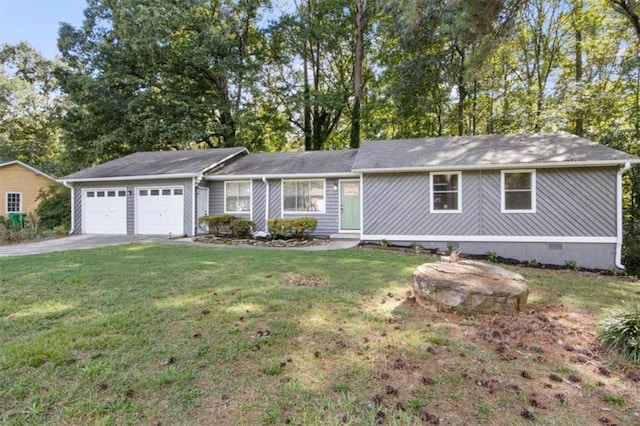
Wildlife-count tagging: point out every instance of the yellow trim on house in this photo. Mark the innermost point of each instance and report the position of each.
(16, 178)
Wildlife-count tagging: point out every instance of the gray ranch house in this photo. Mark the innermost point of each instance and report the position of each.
(552, 197)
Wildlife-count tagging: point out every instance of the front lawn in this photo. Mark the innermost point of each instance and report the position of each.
(173, 334)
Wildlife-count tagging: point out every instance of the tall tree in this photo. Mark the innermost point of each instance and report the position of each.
(361, 11)
(315, 69)
(152, 74)
(29, 107)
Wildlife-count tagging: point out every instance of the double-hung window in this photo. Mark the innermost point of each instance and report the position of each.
(518, 191)
(14, 202)
(303, 195)
(445, 192)
(237, 197)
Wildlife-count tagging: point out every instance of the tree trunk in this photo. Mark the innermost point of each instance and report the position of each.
(307, 102)
(462, 94)
(579, 119)
(361, 8)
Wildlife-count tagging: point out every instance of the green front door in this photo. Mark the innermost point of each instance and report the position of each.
(349, 205)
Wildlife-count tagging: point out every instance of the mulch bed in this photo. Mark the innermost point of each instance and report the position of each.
(261, 243)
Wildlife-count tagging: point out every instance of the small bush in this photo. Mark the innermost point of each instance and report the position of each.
(241, 227)
(225, 225)
(571, 264)
(491, 256)
(620, 332)
(300, 227)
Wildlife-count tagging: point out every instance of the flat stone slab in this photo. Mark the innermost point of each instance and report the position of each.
(475, 287)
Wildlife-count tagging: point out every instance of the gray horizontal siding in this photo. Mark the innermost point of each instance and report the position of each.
(328, 222)
(258, 200)
(217, 201)
(216, 198)
(570, 202)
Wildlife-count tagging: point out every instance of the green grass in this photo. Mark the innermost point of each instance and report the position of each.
(178, 334)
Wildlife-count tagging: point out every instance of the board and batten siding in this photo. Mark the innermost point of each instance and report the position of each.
(327, 221)
(576, 202)
(188, 194)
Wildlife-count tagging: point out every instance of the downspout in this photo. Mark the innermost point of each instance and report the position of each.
(619, 229)
(73, 206)
(194, 213)
(266, 207)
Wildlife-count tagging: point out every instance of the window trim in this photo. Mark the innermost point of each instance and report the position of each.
(6, 201)
(503, 208)
(431, 192)
(307, 212)
(250, 182)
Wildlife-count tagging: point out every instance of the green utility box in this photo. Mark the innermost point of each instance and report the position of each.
(16, 220)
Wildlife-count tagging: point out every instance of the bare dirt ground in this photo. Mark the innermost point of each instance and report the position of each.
(546, 357)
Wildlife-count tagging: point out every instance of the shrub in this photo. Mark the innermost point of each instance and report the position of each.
(241, 227)
(54, 207)
(571, 264)
(300, 227)
(491, 256)
(225, 225)
(620, 332)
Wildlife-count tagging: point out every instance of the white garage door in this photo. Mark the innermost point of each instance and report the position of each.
(159, 211)
(104, 211)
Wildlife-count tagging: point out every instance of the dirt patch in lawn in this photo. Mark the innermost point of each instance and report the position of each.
(302, 280)
(546, 359)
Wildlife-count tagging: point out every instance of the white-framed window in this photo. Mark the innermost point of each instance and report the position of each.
(14, 202)
(446, 194)
(237, 197)
(305, 195)
(518, 191)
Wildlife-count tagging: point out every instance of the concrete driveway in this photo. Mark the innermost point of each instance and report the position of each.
(75, 242)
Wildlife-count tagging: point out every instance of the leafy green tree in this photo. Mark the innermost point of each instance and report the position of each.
(54, 207)
(153, 74)
(30, 107)
(313, 73)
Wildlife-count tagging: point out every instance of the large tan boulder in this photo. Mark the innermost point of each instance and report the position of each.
(475, 287)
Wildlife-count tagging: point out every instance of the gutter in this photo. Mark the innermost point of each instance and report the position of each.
(506, 166)
(619, 230)
(232, 176)
(266, 207)
(147, 177)
(73, 206)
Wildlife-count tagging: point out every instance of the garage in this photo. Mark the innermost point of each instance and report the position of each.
(104, 211)
(160, 210)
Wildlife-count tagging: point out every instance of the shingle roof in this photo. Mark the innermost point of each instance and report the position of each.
(158, 163)
(290, 163)
(4, 163)
(485, 151)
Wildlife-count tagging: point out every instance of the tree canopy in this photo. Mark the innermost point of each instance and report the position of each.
(319, 74)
